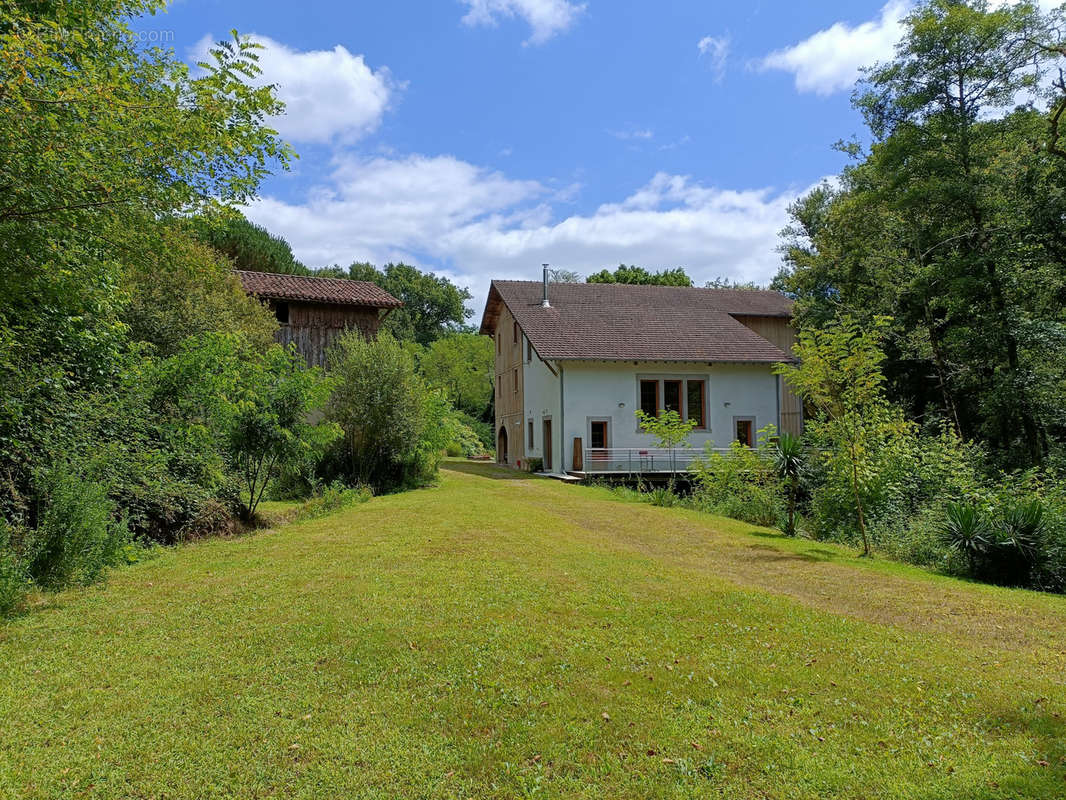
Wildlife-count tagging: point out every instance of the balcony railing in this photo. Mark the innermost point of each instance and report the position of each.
(639, 460)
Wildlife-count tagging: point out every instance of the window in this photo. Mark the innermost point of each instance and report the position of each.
(697, 408)
(649, 398)
(672, 396)
(688, 397)
(529, 351)
(516, 333)
(515, 375)
(745, 428)
(598, 434)
(529, 441)
(281, 313)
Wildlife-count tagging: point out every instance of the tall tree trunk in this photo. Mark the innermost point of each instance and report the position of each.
(941, 370)
(1029, 423)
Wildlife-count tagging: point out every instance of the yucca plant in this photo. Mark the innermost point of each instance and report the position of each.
(967, 531)
(1022, 529)
(1020, 542)
(789, 464)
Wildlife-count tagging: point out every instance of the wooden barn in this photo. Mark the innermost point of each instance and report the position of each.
(314, 312)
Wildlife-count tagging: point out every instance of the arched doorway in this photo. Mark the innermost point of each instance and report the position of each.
(501, 447)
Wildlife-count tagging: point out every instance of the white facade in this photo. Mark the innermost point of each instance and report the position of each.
(575, 395)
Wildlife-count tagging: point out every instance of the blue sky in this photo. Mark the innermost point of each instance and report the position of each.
(480, 138)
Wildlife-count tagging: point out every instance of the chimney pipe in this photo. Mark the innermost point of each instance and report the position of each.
(544, 303)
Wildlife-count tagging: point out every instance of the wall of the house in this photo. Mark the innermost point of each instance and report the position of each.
(315, 327)
(541, 395)
(510, 402)
(611, 391)
(779, 332)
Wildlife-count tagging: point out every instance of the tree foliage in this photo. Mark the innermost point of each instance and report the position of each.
(107, 149)
(392, 423)
(247, 245)
(950, 224)
(184, 288)
(641, 276)
(838, 374)
(271, 426)
(433, 306)
(462, 366)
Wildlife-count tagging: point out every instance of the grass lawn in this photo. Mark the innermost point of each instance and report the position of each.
(502, 636)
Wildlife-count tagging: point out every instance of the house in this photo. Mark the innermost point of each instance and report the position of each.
(574, 362)
(314, 312)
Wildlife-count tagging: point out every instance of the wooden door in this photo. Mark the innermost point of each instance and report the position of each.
(745, 431)
(547, 445)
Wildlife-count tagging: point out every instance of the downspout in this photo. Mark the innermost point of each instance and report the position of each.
(562, 420)
(778, 404)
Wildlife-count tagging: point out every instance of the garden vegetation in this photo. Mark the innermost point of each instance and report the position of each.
(930, 295)
(142, 399)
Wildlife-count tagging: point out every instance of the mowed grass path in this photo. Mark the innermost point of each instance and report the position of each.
(514, 637)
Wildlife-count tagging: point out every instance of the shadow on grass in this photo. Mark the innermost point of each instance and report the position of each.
(765, 552)
(486, 469)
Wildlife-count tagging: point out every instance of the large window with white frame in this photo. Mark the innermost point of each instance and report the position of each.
(685, 395)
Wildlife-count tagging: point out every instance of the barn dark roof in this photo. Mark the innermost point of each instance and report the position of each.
(618, 322)
(334, 291)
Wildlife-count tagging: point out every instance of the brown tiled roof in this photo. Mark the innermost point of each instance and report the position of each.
(617, 322)
(334, 291)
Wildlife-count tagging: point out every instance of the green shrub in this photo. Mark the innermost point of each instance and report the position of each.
(272, 425)
(742, 484)
(14, 580)
(463, 439)
(663, 497)
(1020, 541)
(481, 429)
(790, 462)
(76, 537)
(334, 497)
(909, 483)
(394, 428)
(967, 530)
(1017, 542)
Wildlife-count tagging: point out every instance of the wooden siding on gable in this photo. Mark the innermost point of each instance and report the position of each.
(315, 327)
(510, 389)
(778, 331)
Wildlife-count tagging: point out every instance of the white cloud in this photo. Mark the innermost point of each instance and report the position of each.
(545, 17)
(483, 225)
(829, 61)
(382, 208)
(633, 133)
(716, 50)
(328, 94)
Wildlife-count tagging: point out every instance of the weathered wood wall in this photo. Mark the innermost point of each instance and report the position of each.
(510, 391)
(314, 327)
(779, 332)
